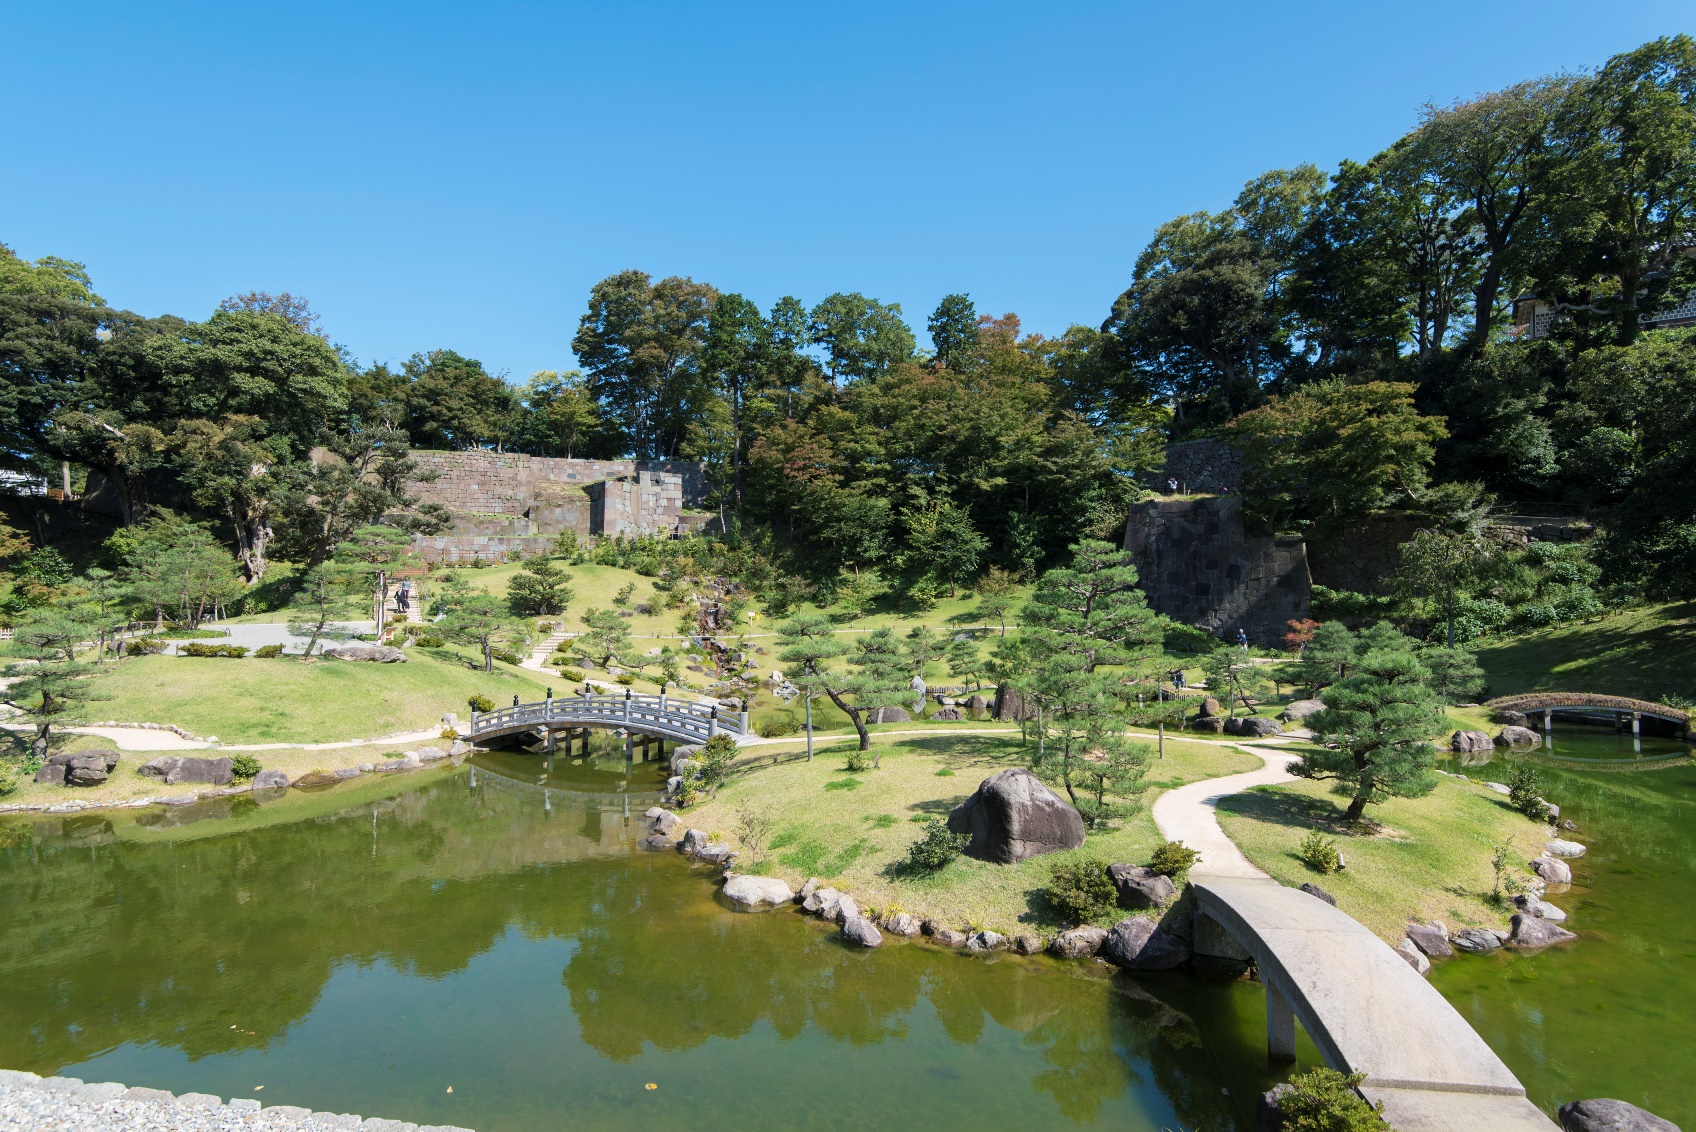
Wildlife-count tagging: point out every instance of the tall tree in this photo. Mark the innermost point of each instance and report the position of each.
(877, 676)
(359, 478)
(953, 327)
(860, 336)
(452, 402)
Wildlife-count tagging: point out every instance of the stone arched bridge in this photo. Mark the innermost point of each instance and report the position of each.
(1547, 702)
(662, 716)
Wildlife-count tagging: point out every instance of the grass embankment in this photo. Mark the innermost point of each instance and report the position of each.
(854, 830)
(127, 783)
(1429, 859)
(285, 700)
(1645, 652)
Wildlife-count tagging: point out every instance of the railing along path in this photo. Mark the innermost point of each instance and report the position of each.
(686, 721)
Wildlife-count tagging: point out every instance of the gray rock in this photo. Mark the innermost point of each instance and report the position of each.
(902, 923)
(1552, 870)
(1300, 710)
(200, 1100)
(272, 780)
(1511, 718)
(1560, 847)
(378, 1124)
(1602, 1115)
(809, 888)
(684, 754)
(1209, 708)
(1408, 950)
(459, 749)
(1027, 943)
(181, 768)
(86, 770)
(1569, 825)
(1467, 741)
(1010, 705)
(243, 1104)
(376, 654)
(1211, 723)
(1534, 931)
(757, 892)
(664, 822)
(947, 937)
(862, 932)
(1499, 787)
(288, 1112)
(430, 754)
(715, 853)
(986, 941)
(51, 773)
(976, 702)
(1269, 1110)
(949, 714)
(657, 841)
(1314, 890)
(1518, 737)
(1140, 887)
(1253, 727)
(1079, 943)
(823, 903)
(347, 772)
(157, 1096)
(1477, 940)
(1012, 816)
(1532, 905)
(847, 908)
(1430, 939)
(1140, 944)
(694, 840)
(887, 715)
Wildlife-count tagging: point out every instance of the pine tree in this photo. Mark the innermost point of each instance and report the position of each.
(1375, 730)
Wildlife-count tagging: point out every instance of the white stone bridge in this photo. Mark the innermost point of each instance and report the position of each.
(661, 717)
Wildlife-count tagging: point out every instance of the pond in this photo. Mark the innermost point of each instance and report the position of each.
(367, 948)
(1608, 1015)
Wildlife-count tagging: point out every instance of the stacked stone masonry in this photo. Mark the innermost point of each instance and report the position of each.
(504, 502)
(1201, 467)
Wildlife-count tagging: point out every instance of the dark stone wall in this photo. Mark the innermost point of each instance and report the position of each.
(1198, 567)
(1201, 467)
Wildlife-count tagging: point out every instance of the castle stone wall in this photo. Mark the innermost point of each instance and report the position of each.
(1198, 567)
(1201, 466)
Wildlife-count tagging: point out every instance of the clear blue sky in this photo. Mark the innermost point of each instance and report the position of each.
(438, 175)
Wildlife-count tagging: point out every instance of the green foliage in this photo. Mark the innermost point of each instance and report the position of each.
(235, 652)
(624, 593)
(858, 761)
(145, 646)
(8, 784)
(1525, 789)
(480, 704)
(428, 641)
(1455, 674)
(936, 848)
(1319, 852)
(575, 675)
(244, 767)
(541, 589)
(1171, 858)
(625, 679)
(715, 758)
(268, 652)
(1376, 725)
(1324, 1100)
(1080, 891)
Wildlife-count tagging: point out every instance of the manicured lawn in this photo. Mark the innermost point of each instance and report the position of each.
(287, 701)
(1645, 652)
(1430, 860)
(851, 829)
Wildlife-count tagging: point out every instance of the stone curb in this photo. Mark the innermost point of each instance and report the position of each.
(123, 1107)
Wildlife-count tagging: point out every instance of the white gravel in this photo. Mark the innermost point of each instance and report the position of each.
(29, 1103)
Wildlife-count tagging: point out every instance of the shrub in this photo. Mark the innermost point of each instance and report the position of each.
(505, 657)
(1081, 890)
(622, 597)
(1525, 788)
(147, 646)
(624, 678)
(244, 766)
(936, 848)
(715, 759)
(564, 646)
(235, 652)
(8, 785)
(772, 728)
(1319, 852)
(571, 673)
(428, 642)
(1172, 858)
(859, 761)
(268, 652)
(448, 733)
(481, 703)
(1323, 1100)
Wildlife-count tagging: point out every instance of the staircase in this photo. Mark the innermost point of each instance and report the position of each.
(538, 658)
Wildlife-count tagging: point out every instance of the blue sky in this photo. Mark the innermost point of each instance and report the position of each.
(458, 176)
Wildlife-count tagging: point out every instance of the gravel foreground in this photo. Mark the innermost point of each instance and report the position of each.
(65, 1104)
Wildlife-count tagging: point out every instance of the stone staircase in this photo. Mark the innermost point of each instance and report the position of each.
(538, 659)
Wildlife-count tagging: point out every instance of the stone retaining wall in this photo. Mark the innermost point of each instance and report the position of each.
(1201, 466)
(30, 1101)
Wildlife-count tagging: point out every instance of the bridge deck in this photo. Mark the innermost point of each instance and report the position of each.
(686, 721)
(1368, 1011)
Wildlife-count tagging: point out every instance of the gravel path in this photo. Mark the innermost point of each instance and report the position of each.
(64, 1104)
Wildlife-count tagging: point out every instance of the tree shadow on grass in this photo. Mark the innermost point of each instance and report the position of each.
(1280, 807)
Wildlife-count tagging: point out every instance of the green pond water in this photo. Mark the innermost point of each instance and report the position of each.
(365, 948)
(1609, 1015)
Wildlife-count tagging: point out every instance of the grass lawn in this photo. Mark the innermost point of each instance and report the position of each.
(852, 829)
(1430, 859)
(286, 701)
(1645, 652)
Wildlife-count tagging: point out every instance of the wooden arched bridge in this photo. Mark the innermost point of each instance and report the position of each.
(662, 717)
(1621, 706)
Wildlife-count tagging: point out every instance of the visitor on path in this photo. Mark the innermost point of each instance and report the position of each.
(1171, 487)
(403, 596)
(1242, 639)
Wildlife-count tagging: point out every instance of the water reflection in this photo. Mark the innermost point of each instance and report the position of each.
(509, 936)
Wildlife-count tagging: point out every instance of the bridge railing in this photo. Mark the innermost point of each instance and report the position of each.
(645, 712)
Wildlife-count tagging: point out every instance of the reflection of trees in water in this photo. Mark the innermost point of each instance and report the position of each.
(175, 942)
(1648, 814)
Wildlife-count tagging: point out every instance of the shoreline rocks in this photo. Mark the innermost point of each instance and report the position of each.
(1606, 1115)
(1140, 944)
(1140, 887)
(753, 893)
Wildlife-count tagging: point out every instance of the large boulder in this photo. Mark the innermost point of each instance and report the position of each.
(1253, 726)
(1140, 887)
(1560, 847)
(1602, 1115)
(1012, 817)
(1534, 931)
(314, 779)
(1209, 707)
(1416, 959)
(1518, 737)
(976, 702)
(661, 820)
(1431, 939)
(180, 768)
(822, 902)
(1533, 905)
(903, 923)
(1469, 741)
(862, 932)
(694, 840)
(1010, 705)
(887, 715)
(1477, 940)
(377, 654)
(1140, 944)
(682, 755)
(1301, 709)
(986, 941)
(272, 780)
(1079, 943)
(1552, 871)
(1508, 718)
(1212, 723)
(757, 892)
(847, 908)
(51, 773)
(87, 770)
(947, 714)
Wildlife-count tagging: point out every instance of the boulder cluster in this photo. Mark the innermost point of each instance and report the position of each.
(1535, 923)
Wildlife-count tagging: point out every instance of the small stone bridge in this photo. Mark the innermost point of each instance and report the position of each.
(661, 716)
